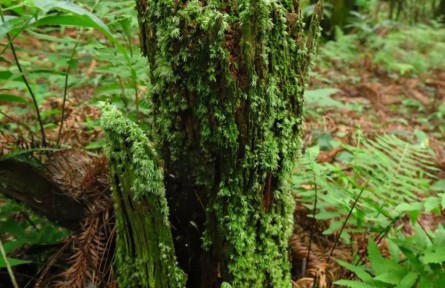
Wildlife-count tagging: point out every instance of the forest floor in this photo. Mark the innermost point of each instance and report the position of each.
(343, 99)
(363, 99)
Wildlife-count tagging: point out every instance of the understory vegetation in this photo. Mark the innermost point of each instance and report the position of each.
(106, 134)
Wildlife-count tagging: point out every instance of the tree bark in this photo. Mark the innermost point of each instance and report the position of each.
(227, 82)
(339, 16)
(27, 183)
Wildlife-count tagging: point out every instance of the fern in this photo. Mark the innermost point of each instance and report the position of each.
(344, 50)
(396, 176)
(415, 49)
(392, 172)
(396, 169)
(405, 49)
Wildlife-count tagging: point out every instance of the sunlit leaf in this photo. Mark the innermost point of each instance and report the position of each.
(359, 271)
(13, 262)
(434, 255)
(47, 5)
(11, 98)
(11, 23)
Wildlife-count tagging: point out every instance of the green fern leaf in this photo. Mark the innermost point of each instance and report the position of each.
(395, 172)
(355, 284)
(376, 259)
(386, 270)
(436, 254)
(358, 270)
(408, 281)
(391, 277)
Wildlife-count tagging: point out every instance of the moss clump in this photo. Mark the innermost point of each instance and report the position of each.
(145, 254)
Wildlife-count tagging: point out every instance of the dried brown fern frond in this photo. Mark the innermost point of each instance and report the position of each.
(89, 264)
(85, 178)
(95, 177)
(303, 283)
(68, 169)
(313, 264)
(11, 141)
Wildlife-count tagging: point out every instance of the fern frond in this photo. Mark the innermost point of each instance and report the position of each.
(395, 172)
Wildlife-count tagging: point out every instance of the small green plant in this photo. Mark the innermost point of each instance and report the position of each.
(403, 50)
(28, 79)
(414, 261)
(19, 227)
(343, 51)
(71, 38)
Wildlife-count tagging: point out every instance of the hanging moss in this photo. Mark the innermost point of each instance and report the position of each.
(145, 255)
(227, 82)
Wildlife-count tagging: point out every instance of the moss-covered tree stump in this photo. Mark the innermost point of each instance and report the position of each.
(227, 82)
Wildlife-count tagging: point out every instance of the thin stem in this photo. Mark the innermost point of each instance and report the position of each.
(135, 83)
(346, 221)
(129, 44)
(8, 266)
(379, 237)
(65, 88)
(7, 116)
(314, 222)
(425, 231)
(124, 95)
(19, 66)
(137, 99)
(52, 261)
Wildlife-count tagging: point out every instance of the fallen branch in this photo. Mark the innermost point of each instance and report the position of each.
(27, 183)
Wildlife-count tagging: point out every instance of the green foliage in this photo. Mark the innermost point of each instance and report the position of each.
(21, 227)
(388, 178)
(322, 98)
(69, 57)
(415, 261)
(392, 173)
(344, 50)
(124, 63)
(416, 49)
(319, 101)
(405, 49)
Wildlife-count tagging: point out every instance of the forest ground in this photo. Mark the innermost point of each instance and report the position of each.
(358, 86)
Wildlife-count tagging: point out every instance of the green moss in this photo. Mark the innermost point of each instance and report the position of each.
(145, 255)
(227, 92)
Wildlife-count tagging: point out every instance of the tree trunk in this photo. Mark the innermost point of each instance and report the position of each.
(227, 81)
(341, 12)
(440, 11)
(412, 11)
(339, 16)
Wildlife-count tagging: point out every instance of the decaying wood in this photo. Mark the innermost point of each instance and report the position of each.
(28, 183)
